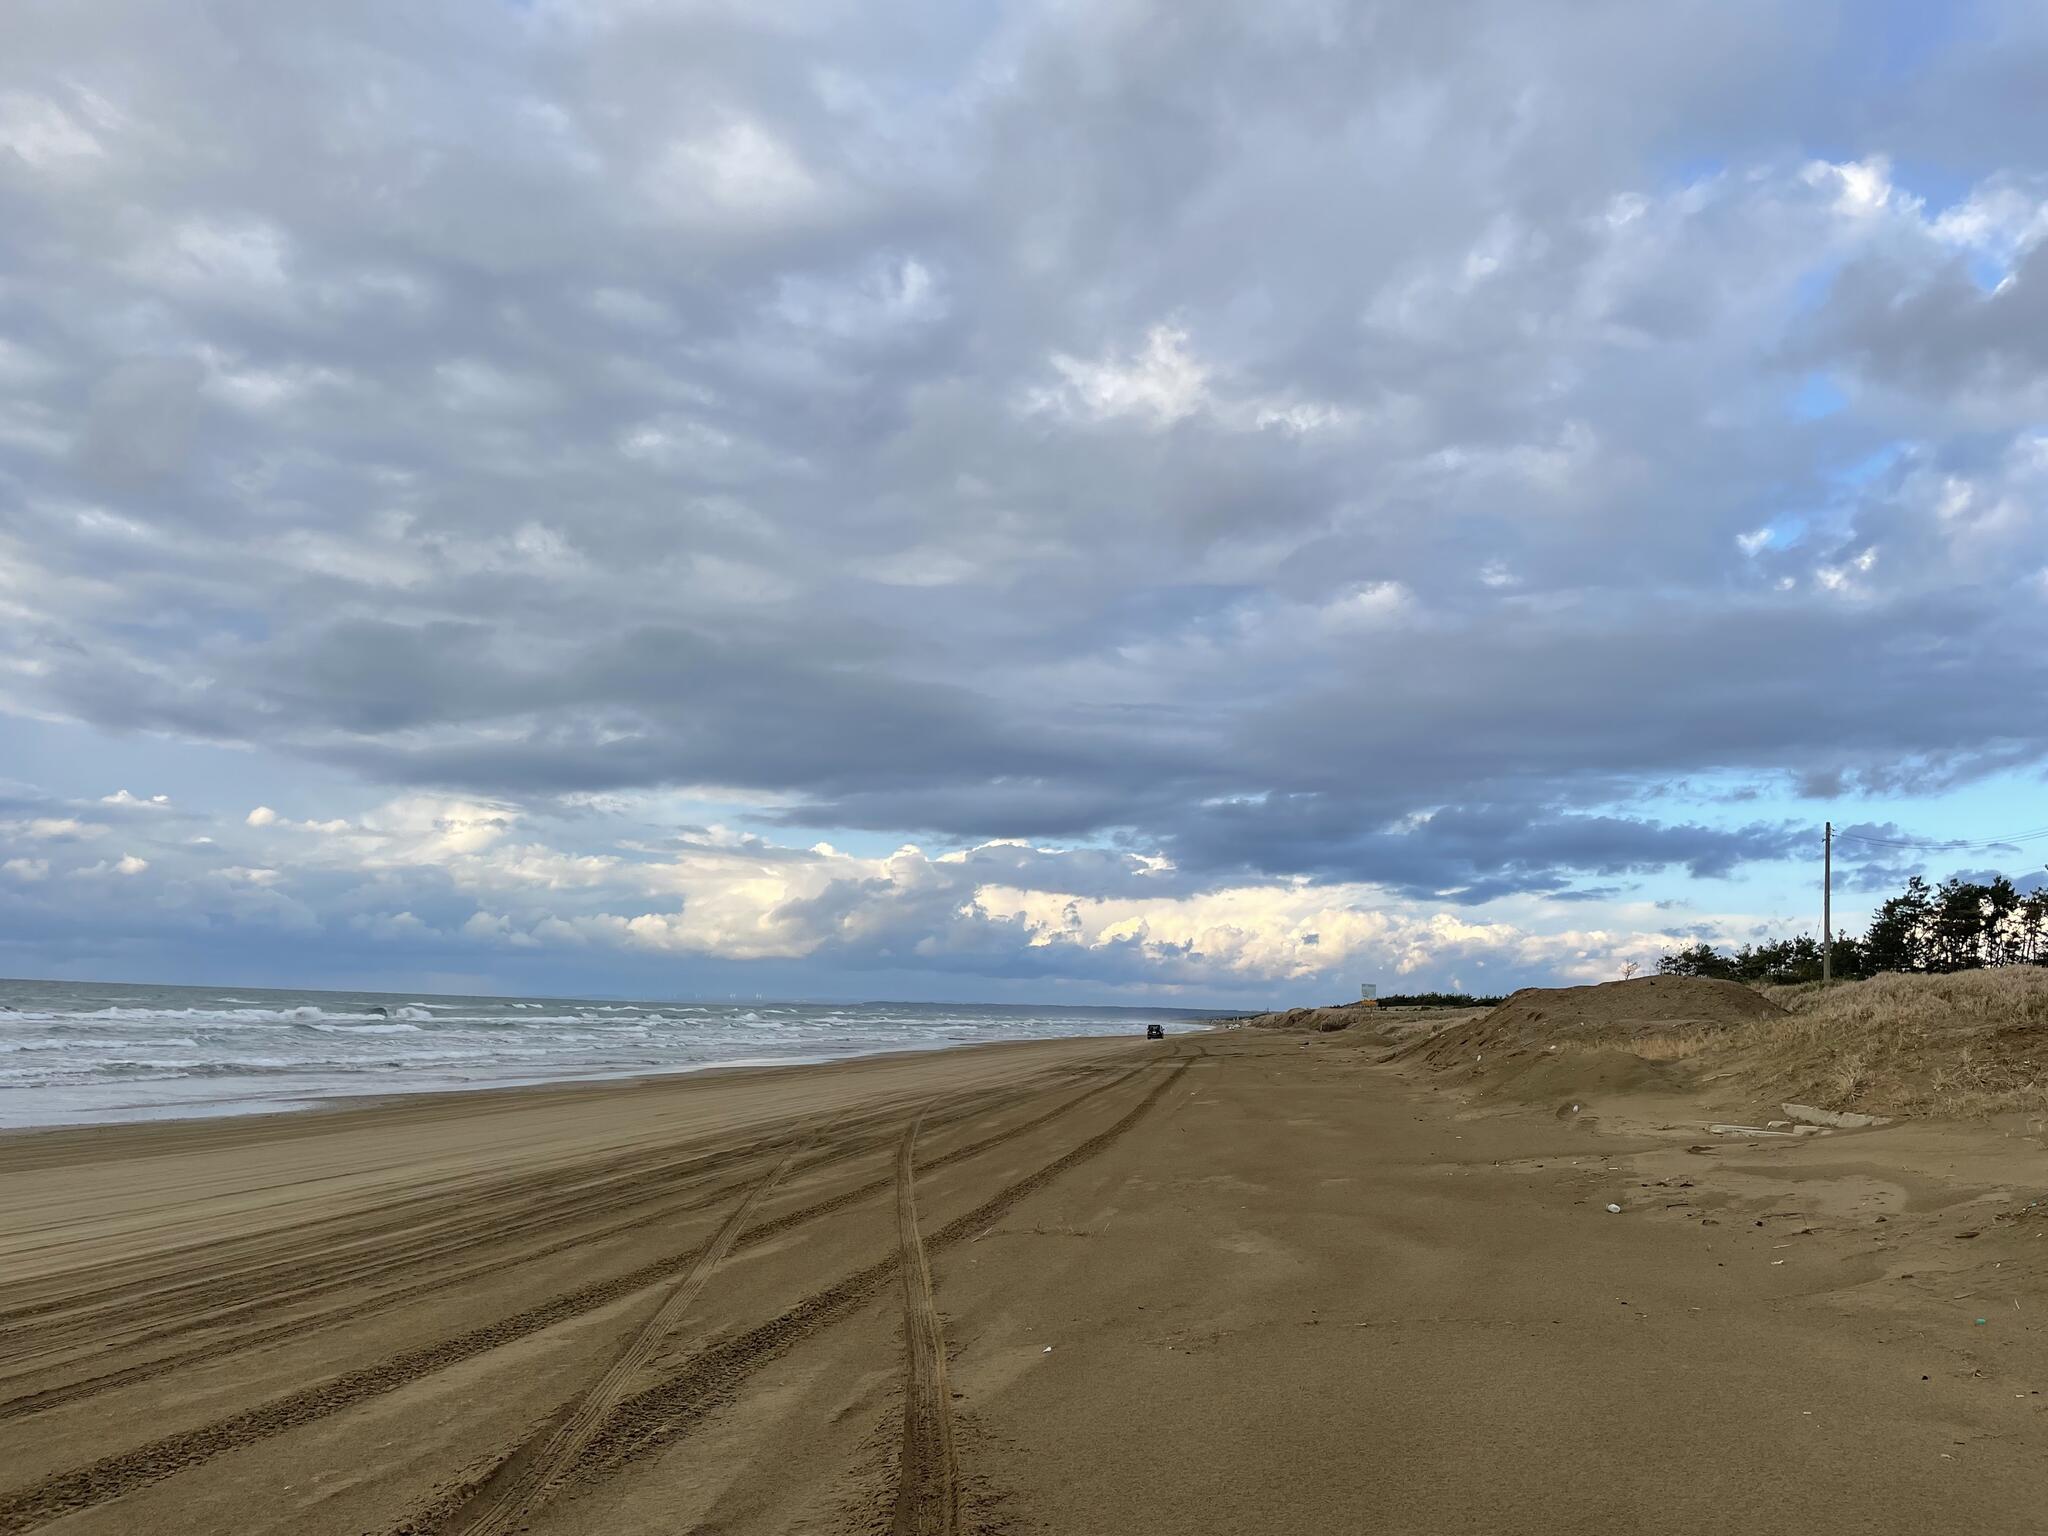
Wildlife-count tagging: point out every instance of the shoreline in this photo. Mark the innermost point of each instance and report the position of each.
(29, 1147)
(294, 1103)
(429, 1104)
(76, 1054)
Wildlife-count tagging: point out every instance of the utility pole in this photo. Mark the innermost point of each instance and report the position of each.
(1827, 905)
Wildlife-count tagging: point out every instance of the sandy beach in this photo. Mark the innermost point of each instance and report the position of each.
(1236, 1282)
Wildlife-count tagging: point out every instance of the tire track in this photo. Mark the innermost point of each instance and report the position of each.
(409, 1228)
(713, 1378)
(352, 1310)
(973, 1149)
(234, 1261)
(524, 1480)
(31, 1403)
(212, 1301)
(111, 1477)
(317, 1253)
(147, 1285)
(928, 1482)
(244, 1264)
(34, 1402)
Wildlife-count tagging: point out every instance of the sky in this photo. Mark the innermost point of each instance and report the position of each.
(1182, 502)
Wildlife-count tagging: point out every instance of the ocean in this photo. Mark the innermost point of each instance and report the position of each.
(75, 1053)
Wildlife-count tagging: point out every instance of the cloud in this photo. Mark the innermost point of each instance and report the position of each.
(123, 798)
(391, 927)
(53, 829)
(128, 865)
(46, 137)
(1162, 384)
(1188, 436)
(738, 171)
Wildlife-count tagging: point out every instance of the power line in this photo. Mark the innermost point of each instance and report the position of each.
(1954, 846)
(1830, 833)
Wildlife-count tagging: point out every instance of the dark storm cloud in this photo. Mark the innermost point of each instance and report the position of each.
(1464, 853)
(1978, 335)
(1311, 441)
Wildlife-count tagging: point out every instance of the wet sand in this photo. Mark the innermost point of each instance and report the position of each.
(1234, 1282)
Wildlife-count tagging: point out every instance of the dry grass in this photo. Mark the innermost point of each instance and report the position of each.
(1965, 1045)
(1971, 1044)
(1794, 997)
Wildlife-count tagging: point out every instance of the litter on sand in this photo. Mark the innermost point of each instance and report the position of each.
(1757, 1132)
(1614, 1210)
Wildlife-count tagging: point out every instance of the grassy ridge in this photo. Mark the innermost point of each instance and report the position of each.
(1970, 1043)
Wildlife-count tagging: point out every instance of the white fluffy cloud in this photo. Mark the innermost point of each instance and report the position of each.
(738, 897)
(124, 798)
(1162, 384)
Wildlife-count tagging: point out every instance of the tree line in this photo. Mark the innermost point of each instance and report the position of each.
(1438, 1000)
(1959, 925)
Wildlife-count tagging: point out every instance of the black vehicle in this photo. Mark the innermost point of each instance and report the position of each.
(1155, 1031)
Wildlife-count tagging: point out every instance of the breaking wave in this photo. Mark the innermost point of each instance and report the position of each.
(76, 1052)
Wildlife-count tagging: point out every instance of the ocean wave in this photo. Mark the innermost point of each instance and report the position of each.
(129, 1067)
(302, 1015)
(75, 1044)
(69, 1051)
